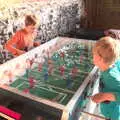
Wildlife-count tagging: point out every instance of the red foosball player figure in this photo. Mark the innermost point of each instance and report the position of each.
(50, 69)
(10, 75)
(17, 66)
(62, 70)
(62, 54)
(50, 66)
(31, 62)
(26, 90)
(74, 71)
(32, 82)
(48, 54)
(40, 67)
(27, 63)
(81, 58)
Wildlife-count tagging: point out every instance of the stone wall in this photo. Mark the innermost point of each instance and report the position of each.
(55, 17)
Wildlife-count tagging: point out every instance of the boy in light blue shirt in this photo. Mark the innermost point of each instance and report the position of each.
(106, 56)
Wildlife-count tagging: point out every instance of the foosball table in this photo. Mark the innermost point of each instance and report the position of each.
(57, 77)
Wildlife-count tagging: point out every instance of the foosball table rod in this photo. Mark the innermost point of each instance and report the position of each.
(93, 115)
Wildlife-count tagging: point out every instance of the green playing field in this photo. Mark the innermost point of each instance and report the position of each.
(55, 86)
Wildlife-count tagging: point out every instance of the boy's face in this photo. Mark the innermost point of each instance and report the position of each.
(31, 28)
(99, 62)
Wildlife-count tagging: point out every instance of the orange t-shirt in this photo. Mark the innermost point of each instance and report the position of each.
(18, 43)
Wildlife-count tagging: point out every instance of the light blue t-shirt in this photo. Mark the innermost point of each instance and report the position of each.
(110, 82)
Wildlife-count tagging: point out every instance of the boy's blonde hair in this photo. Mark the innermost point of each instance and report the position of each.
(108, 49)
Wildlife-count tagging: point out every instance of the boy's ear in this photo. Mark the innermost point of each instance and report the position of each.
(101, 60)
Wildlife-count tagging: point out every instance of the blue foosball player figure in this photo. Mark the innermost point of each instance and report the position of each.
(27, 72)
(69, 81)
(46, 76)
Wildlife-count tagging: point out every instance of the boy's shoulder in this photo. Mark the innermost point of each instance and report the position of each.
(117, 62)
(113, 71)
(20, 32)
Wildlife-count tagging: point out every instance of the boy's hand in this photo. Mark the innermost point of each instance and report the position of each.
(102, 97)
(20, 52)
(36, 43)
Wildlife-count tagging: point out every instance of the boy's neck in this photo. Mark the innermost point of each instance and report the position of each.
(105, 67)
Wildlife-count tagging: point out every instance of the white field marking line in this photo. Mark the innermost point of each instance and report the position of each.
(45, 89)
(26, 80)
(59, 77)
(50, 88)
(62, 94)
(58, 70)
(38, 81)
(80, 71)
(63, 98)
(88, 58)
(20, 84)
(60, 98)
(74, 81)
(55, 76)
(57, 97)
(68, 91)
(78, 61)
(47, 85)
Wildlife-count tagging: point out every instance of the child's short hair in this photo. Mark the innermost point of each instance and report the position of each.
(108, 49)
(30, 20)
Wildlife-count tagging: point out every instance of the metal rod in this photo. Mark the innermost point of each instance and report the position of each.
(93, 115)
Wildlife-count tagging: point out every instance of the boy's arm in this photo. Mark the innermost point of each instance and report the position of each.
(117, 96)
(36, 43)
(115, 83)
(10, 45)
(103, 97)
(114, 93)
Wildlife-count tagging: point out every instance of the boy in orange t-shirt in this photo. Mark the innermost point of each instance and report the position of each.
(23, 40)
